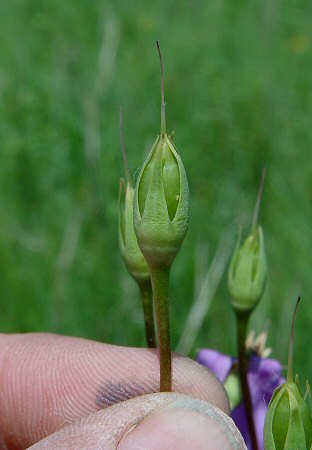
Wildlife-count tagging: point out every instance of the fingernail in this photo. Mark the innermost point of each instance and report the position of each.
(186, 423)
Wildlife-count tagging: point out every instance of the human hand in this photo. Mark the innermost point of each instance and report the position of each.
(68, 393)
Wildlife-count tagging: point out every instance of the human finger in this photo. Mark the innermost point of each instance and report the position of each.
(164, 421)
(48, 381)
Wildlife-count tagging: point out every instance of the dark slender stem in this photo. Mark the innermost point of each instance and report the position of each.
(242, 321)
(160, 284)
(148, 310)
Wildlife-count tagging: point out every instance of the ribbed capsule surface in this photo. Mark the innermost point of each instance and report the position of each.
(288, 424)
(161, 203)
(128, 244)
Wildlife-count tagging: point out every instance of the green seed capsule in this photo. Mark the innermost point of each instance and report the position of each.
(161, 199)
(288, 424)
(161, 203)
(247, 273)
(128, 243)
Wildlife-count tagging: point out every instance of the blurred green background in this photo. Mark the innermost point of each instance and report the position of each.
(239, 97)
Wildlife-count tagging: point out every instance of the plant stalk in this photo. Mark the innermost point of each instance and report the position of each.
(148, 310)
(242, 321)
(160, 285)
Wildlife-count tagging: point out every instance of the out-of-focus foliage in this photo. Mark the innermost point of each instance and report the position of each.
(239, 96)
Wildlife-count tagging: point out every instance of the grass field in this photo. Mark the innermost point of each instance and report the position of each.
(239, 97)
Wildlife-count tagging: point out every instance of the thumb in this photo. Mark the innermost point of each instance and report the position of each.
(156, 421)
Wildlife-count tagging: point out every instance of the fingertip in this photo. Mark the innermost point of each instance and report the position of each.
(156, 421)
(184, 423)
(51, 381)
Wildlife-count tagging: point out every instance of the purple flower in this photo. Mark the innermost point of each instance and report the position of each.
(264, 375)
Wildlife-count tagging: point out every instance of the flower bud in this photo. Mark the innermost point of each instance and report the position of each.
(288, 423)
(161, 203)
(247, 273)
(128, 243)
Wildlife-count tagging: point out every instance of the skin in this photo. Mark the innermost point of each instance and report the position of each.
(60, 392)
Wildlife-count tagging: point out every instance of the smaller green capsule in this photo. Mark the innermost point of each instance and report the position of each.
(130, 251)
(161, 203)
(288, 424)
(248, 272)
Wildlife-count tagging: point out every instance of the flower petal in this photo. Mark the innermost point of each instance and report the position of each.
(264, 376)
(219, 363)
